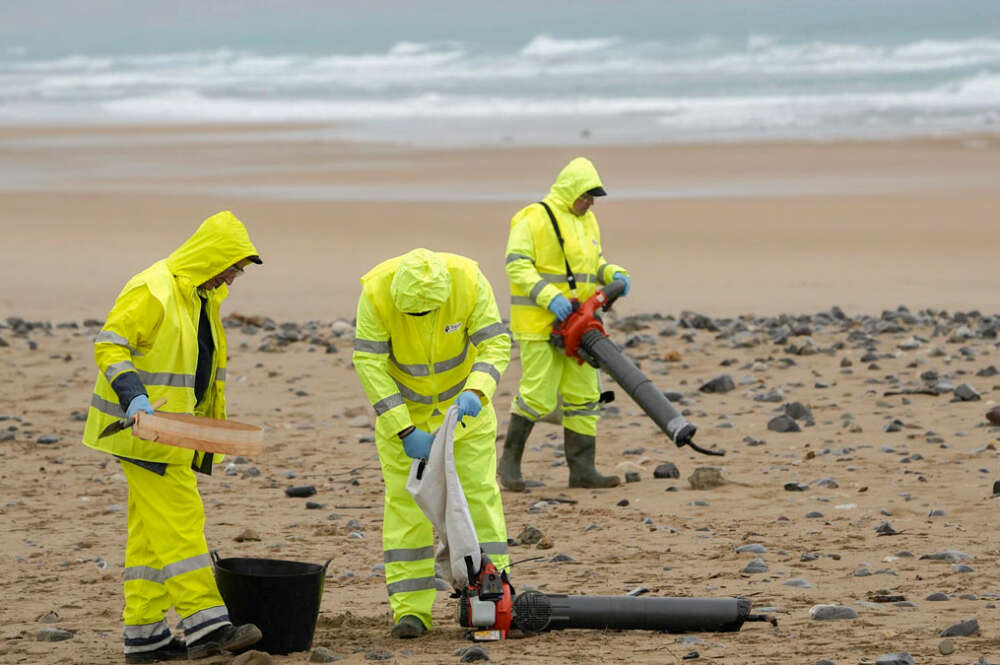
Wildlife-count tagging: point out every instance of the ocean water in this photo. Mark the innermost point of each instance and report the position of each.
(519, 72)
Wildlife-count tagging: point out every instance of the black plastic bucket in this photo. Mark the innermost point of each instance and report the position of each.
(281, 598)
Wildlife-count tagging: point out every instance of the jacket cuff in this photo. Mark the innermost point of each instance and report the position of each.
(128, 386)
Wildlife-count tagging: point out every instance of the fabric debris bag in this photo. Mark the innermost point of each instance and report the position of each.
(435, 487)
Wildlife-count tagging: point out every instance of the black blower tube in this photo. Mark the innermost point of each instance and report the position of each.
(535, 611)
(620, 368)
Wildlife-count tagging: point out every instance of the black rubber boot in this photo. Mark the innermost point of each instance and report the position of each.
(175, 649)
(580, 458)
(227, 638)
(408, 627)
(513, 448)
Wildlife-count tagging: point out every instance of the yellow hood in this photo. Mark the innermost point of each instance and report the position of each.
(577, 177)
(422, 282)
(219, 242)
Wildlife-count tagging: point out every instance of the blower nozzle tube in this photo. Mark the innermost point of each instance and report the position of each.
(536, 612)
(638, 386)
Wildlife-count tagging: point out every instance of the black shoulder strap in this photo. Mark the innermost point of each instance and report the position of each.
(555, 227)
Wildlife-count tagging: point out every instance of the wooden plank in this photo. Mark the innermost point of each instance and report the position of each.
(209, 435)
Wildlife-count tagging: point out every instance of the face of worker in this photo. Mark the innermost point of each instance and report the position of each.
(227, 276)
(582, 204)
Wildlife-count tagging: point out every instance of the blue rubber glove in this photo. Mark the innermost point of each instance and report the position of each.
(468, 404)
(138, 403)
(561, 307)
(417, 444)
(622, 277)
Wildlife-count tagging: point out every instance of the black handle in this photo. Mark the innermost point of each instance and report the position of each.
(612, 291)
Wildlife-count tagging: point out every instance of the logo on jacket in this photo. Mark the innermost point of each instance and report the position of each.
(452, 327)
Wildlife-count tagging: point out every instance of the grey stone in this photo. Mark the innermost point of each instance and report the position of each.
(755, 566)
(53, 634)
(756, 548)
(832, 613)
(966, 393)
(798, 582)
(720, 384)
(667, 470)
(783, 423)
(948, 555)
(472, 654)
(798, 411)
(706, 477)
(961, 629)
(895, 659)
(322, 655)
(529, 535)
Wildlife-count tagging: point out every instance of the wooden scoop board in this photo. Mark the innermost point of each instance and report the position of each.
(209, 435)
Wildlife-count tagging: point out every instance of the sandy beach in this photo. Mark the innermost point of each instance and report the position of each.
(740, 233)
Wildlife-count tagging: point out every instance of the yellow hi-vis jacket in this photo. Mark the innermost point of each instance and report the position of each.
(413, 367)
(153, 330)
(535, 262)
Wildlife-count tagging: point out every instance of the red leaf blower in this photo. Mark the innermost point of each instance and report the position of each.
(490, 609)
(582, 336)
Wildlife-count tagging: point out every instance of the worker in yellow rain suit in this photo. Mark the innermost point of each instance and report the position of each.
(164, 339)
(554, 255)
(429, 335)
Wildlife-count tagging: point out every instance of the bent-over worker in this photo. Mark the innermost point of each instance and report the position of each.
(429, 335)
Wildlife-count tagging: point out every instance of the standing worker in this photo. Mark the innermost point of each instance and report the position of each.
(429, 335)
(164, 339)
(554, 254)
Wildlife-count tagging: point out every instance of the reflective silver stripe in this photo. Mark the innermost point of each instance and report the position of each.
(517, 257)
(220, 374)
(412, 370)
(415, 584)
(147, 631)
(580, 412)
(537, 288)
(162, 575)
(487, 369)
(452, 363)
(601, 268)
(209, 619)
(414, 396)
(114, 370)
(144, 573)
(492, 330)
(371, 346)
(170, 379)
(562, 279)
(524, 301)
(408, 554)
(494, 548)
(108, 337)
(112, 409)
(386, 403)
(451, 392)
(187, 565)
(527, 409)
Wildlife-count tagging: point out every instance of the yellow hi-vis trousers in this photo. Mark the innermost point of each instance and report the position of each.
(408, 536)
(166, 560)
(547, 373)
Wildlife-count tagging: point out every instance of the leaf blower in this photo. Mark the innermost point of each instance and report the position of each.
(581, 335)
(490, 609)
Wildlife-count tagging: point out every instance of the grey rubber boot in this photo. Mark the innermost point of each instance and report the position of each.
(513, 448)
(580, 458)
